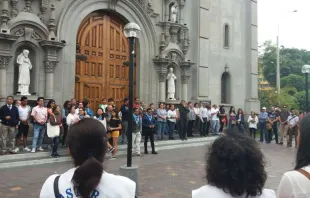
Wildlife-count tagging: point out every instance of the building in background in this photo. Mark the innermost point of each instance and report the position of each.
(78, 49)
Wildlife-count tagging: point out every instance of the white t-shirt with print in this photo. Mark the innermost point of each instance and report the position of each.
(214, 192)
(110, 186)
(24, 112)
(294, 185)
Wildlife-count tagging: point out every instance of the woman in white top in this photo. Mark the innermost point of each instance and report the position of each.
(87, 146)
(234, 168)
(72, 117)
(295, 183)
(197, 112)
(253, 120)
(172, 119)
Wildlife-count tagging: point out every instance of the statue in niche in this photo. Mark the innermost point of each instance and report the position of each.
(174, 13)
(171, 84)
(24, 73)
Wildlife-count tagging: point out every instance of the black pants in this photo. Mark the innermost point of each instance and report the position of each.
(252, 132)
(149, 134)
(183, 129)
(190, 128)
(221, 126)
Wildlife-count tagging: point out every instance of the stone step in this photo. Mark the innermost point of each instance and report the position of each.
(29, 159)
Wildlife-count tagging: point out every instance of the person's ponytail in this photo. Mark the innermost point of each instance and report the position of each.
(87, 177)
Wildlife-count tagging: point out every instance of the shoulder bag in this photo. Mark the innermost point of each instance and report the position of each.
(305, 173)
(52, 131)
(56, 187)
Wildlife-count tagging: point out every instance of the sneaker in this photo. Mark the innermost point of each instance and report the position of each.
(33, 150)
(54, 156)
(146, 152)
(113, 158)
(14, 151)
(154, 152)
(57, 154)
(40, 149)
(111, 150)
(27, 149)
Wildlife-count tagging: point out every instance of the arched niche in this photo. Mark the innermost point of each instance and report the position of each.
(226, 88)
(37, 74)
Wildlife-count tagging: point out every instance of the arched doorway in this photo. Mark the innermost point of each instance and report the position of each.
(105, 73)
(225, 88)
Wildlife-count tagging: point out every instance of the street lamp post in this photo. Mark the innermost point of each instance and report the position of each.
(306, 70)
(131, 31)
(278, 53)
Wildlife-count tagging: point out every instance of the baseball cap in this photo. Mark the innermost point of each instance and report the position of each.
(264, 108)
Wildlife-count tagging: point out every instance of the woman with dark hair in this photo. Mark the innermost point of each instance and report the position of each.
(64, 112)
(235, 167)
(295, 184)
(232, 119)
(87, 146)
(51, 103)
(56, 120)
(223, 118)
(240, 120)
(114, 128)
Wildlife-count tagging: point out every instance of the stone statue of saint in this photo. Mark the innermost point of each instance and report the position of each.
(24, 73)
(171, 84)
(174, 13)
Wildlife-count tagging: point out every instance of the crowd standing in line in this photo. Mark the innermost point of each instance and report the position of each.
(185, 119)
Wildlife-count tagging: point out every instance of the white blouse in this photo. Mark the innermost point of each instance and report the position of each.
(253, 125)
(72, 118)
(294, 185)
(208, 191)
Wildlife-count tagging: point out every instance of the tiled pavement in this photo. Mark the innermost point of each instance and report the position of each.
(171, 174)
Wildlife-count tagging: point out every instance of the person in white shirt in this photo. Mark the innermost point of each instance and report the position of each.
(172, 119)
(197, 112)
(24, 115)
(253, 121)
(234, 168)
(204, 118)
(293, 121)
(72, 117)
(87, 147)
(215, 120)
(295, 183)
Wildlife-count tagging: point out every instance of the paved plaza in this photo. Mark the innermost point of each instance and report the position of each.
(171, 174)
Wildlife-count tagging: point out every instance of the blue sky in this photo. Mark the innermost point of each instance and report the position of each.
(294, 27)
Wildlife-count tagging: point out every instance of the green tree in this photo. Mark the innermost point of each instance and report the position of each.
(293, 80)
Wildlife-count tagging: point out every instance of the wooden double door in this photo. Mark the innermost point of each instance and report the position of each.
(103, 74)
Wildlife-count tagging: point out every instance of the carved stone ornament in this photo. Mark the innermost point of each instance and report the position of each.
(50, 66)
(28, 33)
(14, 11)
(28, 6)
(185, 79)
(174, 57)
(4, 61)
(112, 4)
(20, 32)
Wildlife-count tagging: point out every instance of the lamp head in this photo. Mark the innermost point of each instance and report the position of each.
(305, 69)
(132, 30)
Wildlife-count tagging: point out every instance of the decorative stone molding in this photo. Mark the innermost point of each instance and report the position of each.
(112, 4)
(28, 6)
(52, 25)
(4, 61)
(185, 79)
(5, 17)
(161, 68)
(50, 65)
(14, 11)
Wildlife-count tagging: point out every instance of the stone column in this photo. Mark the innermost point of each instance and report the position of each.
(4, 62)
(162, 86)
(184, 87)
(49, 78)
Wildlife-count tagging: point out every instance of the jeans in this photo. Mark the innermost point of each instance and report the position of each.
(124, 131)
(241, 128)
(252, 132)
(183, 129)
(161, 129)
(215, 124)
(55, 145)
(38, 135)
(263, 131)
(171, 126)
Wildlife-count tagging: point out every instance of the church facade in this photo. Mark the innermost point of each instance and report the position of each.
(78, 50)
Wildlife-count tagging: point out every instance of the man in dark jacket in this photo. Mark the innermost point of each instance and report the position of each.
(9, 117)
(183, 113)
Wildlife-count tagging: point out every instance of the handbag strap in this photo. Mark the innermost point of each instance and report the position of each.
(56, 187)
(305, 173)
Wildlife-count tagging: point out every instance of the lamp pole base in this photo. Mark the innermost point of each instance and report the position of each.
(131, 173)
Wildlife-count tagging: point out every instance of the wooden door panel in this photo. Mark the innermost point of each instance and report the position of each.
(102, 40)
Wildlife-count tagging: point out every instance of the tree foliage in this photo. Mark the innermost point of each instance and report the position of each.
(292, 79)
